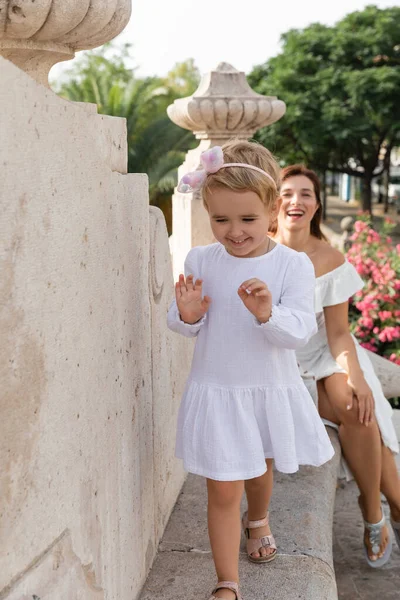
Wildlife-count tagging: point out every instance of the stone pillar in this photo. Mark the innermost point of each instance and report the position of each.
(35, 35)
(223, 107)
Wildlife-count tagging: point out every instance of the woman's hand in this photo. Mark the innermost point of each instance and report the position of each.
(257, 298)
(189, 299)
(365, 399)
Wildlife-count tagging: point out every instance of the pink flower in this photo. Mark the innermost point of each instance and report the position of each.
(360, 226)
(384, 315)
(394, 358)
(368, 346)
(367, 322)
(388, 334)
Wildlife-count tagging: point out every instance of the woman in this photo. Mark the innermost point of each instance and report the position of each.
(350, 397)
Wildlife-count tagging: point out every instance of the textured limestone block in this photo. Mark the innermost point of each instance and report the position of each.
(77, 448)
(36, 34)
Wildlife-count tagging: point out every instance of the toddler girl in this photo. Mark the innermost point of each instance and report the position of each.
(250, 303)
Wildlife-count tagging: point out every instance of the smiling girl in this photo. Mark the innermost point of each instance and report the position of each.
(249, 302)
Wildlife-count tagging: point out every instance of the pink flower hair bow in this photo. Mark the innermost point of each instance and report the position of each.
(212, 160)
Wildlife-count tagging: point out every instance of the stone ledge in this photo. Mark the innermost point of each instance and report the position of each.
(177, 576)
(301, 519)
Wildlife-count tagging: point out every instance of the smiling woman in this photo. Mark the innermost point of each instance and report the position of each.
(301, 199)
(350, 397)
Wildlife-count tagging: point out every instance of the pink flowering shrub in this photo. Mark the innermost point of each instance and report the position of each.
(375, 310)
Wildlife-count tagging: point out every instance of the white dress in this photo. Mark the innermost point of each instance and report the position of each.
(245, 400)
(333, 288)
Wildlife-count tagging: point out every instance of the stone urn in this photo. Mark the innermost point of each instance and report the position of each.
(37, 34)
(225, 106)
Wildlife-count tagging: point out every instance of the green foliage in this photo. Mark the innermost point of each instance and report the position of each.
(156, 146)
(341, 85)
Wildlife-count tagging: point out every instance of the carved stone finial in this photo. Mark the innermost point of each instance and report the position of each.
(225, 106)
(36, 34)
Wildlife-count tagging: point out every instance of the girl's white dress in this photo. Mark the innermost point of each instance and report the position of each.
(333, 288)
(245, 400)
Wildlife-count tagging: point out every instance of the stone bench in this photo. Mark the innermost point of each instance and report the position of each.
(301, 519)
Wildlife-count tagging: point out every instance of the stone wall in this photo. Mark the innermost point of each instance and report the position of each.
(90, 379)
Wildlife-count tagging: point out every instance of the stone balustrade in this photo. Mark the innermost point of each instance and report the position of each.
(91, 378)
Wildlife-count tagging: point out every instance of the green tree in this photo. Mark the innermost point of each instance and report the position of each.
(156, 146)
(342, 89)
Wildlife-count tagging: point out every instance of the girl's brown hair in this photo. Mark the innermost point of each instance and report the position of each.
(240, 178)
(293, 171)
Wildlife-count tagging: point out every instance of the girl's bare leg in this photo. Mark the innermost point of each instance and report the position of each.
(361, 446)
(259, 492)
(224, 530)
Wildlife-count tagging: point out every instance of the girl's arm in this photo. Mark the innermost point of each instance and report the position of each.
(189, 318)
(343, 350)
(176, 324)
(292, 322)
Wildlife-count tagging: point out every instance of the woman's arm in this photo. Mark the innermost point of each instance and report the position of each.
(343, 350)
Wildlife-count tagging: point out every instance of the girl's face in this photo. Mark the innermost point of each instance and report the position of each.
(299, 203)
(240, 221)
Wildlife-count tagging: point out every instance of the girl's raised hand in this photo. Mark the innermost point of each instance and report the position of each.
(189, 299)
(257, 298)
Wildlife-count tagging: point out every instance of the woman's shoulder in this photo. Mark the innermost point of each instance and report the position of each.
(337, 281)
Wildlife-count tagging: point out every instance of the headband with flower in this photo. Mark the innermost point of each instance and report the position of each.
(212, 160)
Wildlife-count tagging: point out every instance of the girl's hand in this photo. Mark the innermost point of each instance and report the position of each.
(365, 399)
(189, 299)
(257, 298)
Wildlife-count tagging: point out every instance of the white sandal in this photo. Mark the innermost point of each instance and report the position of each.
(375, 538)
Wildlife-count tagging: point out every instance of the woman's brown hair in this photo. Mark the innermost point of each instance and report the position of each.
(293, 171)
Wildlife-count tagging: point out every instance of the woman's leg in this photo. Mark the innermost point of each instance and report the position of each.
(390, 483)
(361, 445)
(259, 492)
(224, 530)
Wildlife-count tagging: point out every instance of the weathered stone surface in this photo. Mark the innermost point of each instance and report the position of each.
(388, 374)
(35, 35)
(83, 447)
(58, 573)
(187, 575)
(301, 520)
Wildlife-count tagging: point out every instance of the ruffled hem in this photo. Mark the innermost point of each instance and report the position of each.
(337, 286)
(226, 433)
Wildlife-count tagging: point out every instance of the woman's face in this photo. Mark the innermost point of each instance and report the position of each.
(299, 203)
